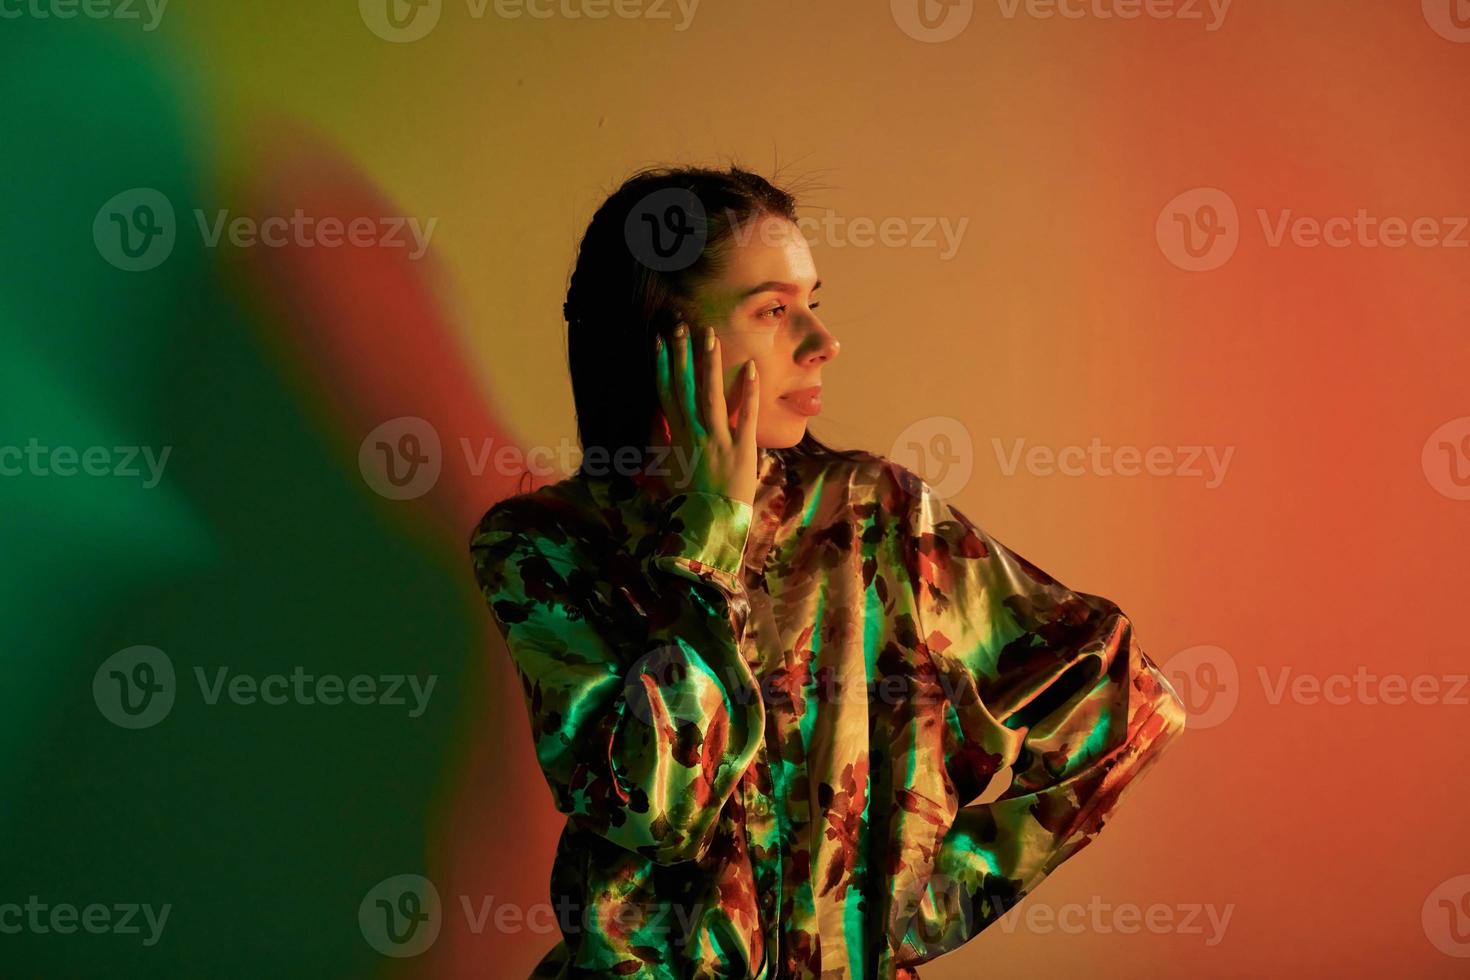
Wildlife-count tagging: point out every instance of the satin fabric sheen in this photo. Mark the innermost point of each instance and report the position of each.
(770, 727)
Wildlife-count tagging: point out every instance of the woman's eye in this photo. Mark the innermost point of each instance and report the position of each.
(776, 312)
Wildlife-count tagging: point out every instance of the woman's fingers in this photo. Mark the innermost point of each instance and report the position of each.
(664, 382)
(718, 431)
(716, 413)
(749, 411)
(684, 383)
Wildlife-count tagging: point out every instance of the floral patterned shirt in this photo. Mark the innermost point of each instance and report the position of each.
(772, 728)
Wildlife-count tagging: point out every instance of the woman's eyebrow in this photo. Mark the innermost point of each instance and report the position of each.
(776, 285)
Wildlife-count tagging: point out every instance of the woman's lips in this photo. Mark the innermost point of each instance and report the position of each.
(807, 401)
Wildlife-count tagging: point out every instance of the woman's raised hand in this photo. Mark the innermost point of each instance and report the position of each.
(719, 456)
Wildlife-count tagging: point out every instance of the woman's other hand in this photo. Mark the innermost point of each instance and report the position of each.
(719, 447)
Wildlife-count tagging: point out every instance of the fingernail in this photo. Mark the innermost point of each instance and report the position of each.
(658, 344)
(750, 369)
(679, 331)
(709, 338)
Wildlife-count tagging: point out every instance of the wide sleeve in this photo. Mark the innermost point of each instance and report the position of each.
(1049, 682)
(643, 720)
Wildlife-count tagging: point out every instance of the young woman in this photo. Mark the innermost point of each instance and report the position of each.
(769, 682)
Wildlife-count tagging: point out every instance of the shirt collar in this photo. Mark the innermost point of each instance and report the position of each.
(767, 463)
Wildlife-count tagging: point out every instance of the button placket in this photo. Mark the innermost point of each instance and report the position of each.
(761, 635)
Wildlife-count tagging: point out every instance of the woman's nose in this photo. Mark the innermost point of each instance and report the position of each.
(819, 345)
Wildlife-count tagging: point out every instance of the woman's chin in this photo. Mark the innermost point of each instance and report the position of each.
(783, 438)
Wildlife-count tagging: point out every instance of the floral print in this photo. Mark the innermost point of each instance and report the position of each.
(771, 727)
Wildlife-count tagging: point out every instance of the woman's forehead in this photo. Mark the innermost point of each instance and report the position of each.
(780, 257)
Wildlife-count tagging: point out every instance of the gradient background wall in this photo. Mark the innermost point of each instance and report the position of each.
(1077, 150)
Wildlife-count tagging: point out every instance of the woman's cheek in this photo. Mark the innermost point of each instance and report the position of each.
(746, 342)
(762, 344)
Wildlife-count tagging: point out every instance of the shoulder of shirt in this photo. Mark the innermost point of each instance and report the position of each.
(560, 514)
(872, 477)
(879, 484)
(556, 515)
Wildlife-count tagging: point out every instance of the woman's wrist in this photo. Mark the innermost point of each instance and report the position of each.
(701, 530)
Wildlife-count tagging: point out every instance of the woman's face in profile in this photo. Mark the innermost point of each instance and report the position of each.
(762, 305)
